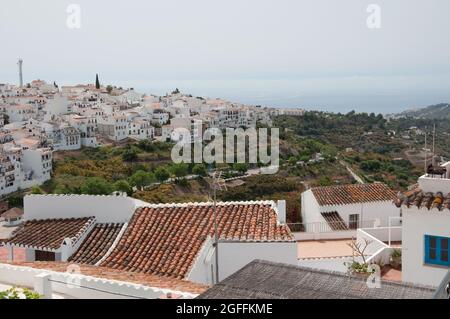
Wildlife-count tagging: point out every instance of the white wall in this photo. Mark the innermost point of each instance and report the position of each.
(416, 224)
(434, 185)
(311, 211)
(68, 284)
(366, 211)
(310, 208)
(375, 244)
(107, 209)
(235, 255)
(382, 233)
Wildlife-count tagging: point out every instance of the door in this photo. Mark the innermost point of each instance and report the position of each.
(353, 222)
(41, 255)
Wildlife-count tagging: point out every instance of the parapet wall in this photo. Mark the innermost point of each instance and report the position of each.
(81, 286)
(106, 209)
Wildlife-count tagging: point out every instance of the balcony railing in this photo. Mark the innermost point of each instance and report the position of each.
(328, 227)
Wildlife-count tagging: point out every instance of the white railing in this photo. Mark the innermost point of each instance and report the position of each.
(329, 227)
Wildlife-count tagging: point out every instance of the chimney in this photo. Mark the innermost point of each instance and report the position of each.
(281, 205)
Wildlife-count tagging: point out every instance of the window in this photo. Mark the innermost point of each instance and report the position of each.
(436, 250)
(353, 222)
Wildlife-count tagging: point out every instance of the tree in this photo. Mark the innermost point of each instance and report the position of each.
(36, 190)
(240, 167)
(141, 179)
(325, 181)
(146, 145)
(199, 169)
(97, 82)
(109, 89)
(161, 174)
(96, 186)
(123, 186)
(130, 154)
(179, 170)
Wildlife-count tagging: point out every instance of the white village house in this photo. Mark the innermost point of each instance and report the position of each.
(348, 207)
(170, 240)
(426, 228)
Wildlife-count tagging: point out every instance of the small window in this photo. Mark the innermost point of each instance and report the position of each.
(436, 250)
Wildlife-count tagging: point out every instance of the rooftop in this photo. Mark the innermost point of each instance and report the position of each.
(311, 249)
(14, 212)
(352, 194)
(165, 240)
(421, 199)
(96, 244)
(48, 233)
(268, 280)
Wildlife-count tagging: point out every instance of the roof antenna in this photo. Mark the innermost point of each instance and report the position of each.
(434, 140)
(217, 183)
(425, 149)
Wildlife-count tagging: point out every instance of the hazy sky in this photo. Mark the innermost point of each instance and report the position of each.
(317, 53)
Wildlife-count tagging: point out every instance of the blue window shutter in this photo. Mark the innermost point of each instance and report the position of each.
(427, 249)
(438, 249)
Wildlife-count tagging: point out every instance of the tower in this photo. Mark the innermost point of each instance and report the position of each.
(20, 72)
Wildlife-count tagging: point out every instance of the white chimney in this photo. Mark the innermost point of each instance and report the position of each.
(281, 206)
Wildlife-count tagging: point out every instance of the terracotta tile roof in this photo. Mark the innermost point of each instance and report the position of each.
(165, 240)
(354, 193)
(14, 212)
(334, 220)
(420, 199)
(96, 244)
(49, 233)
(113, 274)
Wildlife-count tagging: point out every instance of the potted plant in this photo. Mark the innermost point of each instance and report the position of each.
(396, 259)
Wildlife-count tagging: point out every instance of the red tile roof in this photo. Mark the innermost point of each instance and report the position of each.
(420, 199)
(14, 212)
(96, 244)
(334, 220)
(49, 233)
(165, 240)
(352, 194)
(113, 274)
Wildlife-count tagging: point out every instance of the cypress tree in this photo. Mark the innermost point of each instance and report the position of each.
(97, 82)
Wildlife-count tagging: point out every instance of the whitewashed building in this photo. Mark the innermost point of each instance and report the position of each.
(426, 228)
(93, 230)
(347, 207)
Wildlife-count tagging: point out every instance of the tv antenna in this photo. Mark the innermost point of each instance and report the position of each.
(434, 141)
(426, 151)
(217, 183)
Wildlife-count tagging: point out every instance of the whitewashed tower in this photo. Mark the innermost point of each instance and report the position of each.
(20, 72)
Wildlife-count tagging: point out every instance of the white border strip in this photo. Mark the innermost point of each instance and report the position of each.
(113, 246)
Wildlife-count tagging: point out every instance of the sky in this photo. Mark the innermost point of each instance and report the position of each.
(316, 54)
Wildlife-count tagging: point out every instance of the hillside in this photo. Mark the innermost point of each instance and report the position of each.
(437, 111)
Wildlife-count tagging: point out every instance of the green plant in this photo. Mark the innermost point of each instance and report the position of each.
(396, 258)
(356, 267)
(19, 293)
(162, 174)
(396, 253)
(36, 190)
